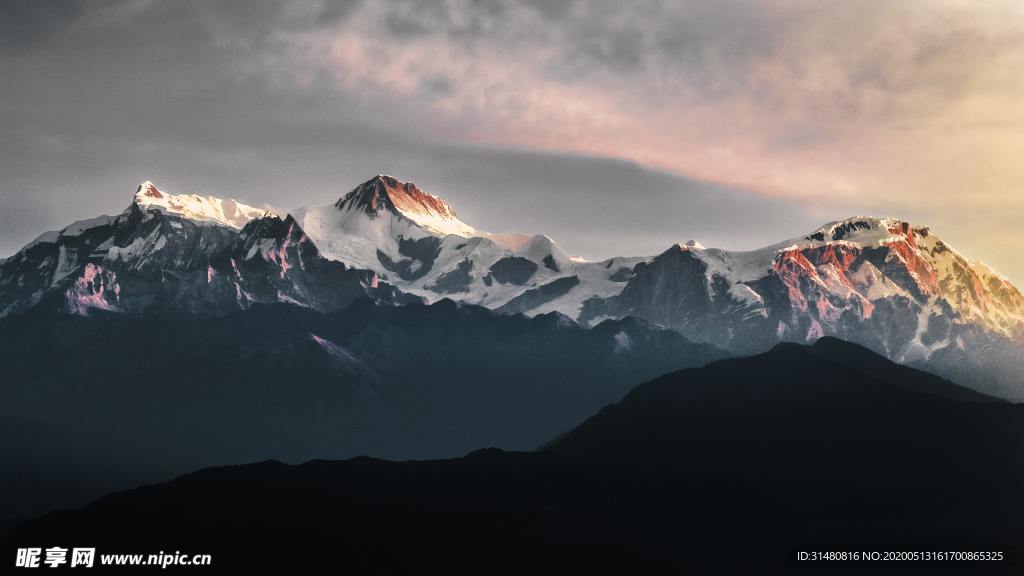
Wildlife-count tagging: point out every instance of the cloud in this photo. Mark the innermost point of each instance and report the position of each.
(27, 23)
(907, 108)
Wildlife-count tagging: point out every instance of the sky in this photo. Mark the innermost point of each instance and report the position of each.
(617, 128)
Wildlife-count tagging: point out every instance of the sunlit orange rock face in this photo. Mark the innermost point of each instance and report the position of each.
(386, 192)
(836, 272)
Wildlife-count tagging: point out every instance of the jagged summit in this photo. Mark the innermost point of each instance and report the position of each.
(864, 230)
(148, 190)
(226, 212)
(387, 193)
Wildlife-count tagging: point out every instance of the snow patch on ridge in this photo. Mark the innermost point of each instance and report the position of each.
(226, 212)
(333, 349)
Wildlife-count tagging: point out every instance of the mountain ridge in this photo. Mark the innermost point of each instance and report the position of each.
(882, 282)
(767, 454)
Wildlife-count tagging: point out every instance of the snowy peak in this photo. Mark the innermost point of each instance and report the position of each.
(539, 247)
(280, 243)
(863, 230)
(387, 194)
(851, 266)
(913, 259)
(226, 212)
(148, 190)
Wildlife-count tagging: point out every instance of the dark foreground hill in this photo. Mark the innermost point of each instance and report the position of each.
(730, 466)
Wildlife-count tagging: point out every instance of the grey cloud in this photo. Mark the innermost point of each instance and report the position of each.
(467, 21)
(687, 38)
(706, 50)
(403, 24)
(437, 86)
(334, 11)
(27, 23)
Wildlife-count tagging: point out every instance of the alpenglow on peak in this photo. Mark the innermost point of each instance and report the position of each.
(387, 193)
(226, 212)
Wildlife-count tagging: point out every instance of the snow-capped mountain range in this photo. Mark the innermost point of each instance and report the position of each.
(180, 253)
(416, 241)
(882, 282)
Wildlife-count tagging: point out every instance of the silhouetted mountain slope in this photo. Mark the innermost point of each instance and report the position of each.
(723, 467)
(790, 380)
(878, 366)
(160, 395)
